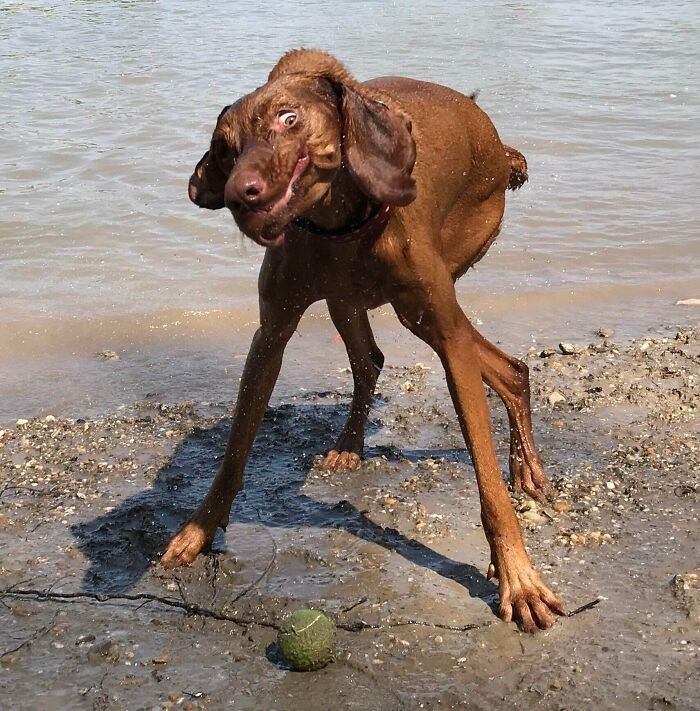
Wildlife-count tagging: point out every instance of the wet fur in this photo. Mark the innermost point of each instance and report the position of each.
(433, 154)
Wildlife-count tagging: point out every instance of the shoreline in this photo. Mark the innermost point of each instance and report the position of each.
(77, 367)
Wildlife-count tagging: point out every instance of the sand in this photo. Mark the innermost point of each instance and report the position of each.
(393, 552)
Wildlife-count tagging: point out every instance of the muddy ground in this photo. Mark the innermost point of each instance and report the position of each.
(394, 551)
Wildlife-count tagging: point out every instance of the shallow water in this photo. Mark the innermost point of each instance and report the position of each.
(108, 105)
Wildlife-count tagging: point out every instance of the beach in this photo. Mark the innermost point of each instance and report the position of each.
(394, 552)
(127, 313)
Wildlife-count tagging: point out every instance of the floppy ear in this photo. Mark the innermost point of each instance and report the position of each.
(379, 149)
(207, 183)
(377, 143)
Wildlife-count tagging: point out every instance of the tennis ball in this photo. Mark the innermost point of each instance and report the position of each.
(306, 640)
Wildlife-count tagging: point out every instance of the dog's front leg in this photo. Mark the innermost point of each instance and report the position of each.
(278, 323)
(432, 312)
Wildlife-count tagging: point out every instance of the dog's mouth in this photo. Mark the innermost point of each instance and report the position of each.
(265, 224)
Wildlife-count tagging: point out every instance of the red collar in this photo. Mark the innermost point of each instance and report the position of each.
(370, 226)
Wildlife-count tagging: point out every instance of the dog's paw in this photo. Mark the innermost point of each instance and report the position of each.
(524, 598)
(193, 537)
(527, 475)
(186, 545)
(341, 461)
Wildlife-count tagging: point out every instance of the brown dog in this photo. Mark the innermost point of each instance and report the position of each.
(323, 172)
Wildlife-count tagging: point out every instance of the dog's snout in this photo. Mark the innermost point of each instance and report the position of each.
(247, 188)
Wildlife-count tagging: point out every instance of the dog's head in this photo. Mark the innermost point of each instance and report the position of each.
(275, 152)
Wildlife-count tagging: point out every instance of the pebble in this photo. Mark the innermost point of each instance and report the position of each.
(605, 332)
(688, 302)
(528, 505)
(107, 650)
(687, 593)
(85, 640)
(547, 353)
(570, 349)
(554, 398)
(534, 517)
(108, 355)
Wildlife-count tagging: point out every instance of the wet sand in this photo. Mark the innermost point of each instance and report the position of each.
(394, 551)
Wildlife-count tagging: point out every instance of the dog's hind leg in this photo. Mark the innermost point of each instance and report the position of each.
(509, 377)
(429, 308)
(366, 361)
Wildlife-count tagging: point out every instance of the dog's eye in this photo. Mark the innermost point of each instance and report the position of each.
(287, 118)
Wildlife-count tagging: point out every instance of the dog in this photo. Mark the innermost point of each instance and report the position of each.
(363, 194)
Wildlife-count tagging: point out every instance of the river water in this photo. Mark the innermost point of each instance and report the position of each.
(107, 106)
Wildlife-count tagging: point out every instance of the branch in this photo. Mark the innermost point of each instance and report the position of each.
(191, 608)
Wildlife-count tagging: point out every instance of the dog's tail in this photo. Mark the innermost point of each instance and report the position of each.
(518, 168)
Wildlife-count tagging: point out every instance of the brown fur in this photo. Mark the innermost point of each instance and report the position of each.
(347, 148)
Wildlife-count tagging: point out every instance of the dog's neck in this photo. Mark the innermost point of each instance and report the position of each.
(342, 206)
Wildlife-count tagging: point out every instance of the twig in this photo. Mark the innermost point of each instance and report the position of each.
(216, 568)
(56, 582)
(143, 604)
(266, 571)
(361, 601)
(34, 529)
(588, 606)
(41, 631)
(32, 490)
(361, 625)
(191, 608)
(180, 590)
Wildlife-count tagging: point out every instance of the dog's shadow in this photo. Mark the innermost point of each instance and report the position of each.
(122, 544)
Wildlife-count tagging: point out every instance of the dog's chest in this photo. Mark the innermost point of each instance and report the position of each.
(355, 275)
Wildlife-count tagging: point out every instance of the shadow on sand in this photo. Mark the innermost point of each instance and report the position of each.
(123, 544)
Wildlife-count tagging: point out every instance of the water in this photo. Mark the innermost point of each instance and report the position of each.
(107, 106)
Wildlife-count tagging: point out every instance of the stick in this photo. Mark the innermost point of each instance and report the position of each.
(588, 606)
(191, 608)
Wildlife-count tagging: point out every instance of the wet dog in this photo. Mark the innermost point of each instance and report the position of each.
(365, 194)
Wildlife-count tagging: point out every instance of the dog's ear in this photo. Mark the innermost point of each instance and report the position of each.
(207, 183)
(378, 147)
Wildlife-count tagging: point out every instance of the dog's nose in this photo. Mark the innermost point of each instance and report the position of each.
(247, 188)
